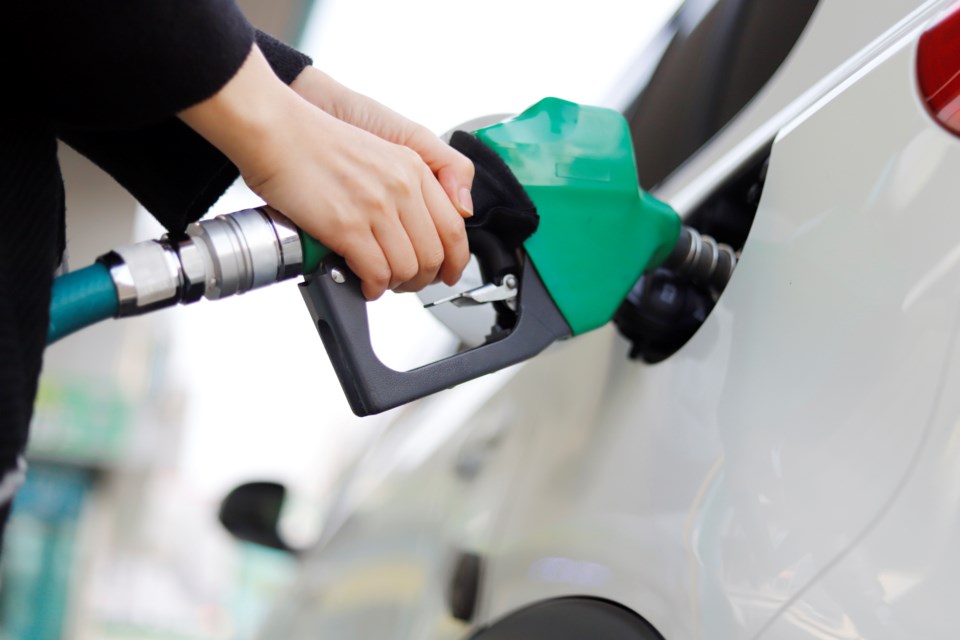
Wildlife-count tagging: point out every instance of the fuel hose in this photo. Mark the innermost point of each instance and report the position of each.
(79, 299)
(216, 258)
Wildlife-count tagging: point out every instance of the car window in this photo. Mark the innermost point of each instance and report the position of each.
(708, 74)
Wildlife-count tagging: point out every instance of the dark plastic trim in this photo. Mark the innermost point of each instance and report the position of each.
(339, 311)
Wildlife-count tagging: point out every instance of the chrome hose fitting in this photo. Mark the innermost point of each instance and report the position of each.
(702, 259)
(244, 250)
(217, 258)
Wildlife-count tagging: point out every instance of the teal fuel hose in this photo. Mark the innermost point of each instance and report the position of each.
(79, 299)
(216, 258)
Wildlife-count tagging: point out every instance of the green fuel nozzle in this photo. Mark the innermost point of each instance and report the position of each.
(597, 234)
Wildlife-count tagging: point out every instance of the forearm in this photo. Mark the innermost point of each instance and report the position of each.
(173, 171)
(244, 112)
(322, 90)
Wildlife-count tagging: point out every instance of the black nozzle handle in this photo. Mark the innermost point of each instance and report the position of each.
(339, 310)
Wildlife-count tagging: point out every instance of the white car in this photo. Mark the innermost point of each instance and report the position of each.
(792, 471)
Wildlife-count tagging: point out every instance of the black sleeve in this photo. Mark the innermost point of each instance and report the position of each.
(285, 61)
(123, 63)
(171, 170)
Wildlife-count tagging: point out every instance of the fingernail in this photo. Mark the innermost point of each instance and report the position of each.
(465, 201)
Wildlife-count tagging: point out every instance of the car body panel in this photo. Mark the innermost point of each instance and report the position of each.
(841, 37)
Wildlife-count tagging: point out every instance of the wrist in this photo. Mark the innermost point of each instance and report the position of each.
(320, 90)
(245, 112)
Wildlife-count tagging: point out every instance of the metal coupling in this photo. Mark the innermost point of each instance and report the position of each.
(702, 259)
(220, 257)
(245, 250)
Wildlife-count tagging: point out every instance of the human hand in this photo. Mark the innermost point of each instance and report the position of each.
(384, 211)
(372, 201)
(453, 170)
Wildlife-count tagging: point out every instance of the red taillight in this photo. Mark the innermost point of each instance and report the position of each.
(938, 69)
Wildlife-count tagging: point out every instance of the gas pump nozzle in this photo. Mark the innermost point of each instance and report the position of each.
(561, 232)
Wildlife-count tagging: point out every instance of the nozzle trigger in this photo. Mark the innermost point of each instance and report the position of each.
(506, 291)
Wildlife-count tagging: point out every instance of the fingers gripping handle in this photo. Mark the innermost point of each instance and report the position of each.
(339, 310)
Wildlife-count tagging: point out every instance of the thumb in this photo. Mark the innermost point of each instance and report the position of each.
(453, 170)
(457, 182)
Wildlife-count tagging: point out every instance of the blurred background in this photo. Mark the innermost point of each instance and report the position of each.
(143, 426)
